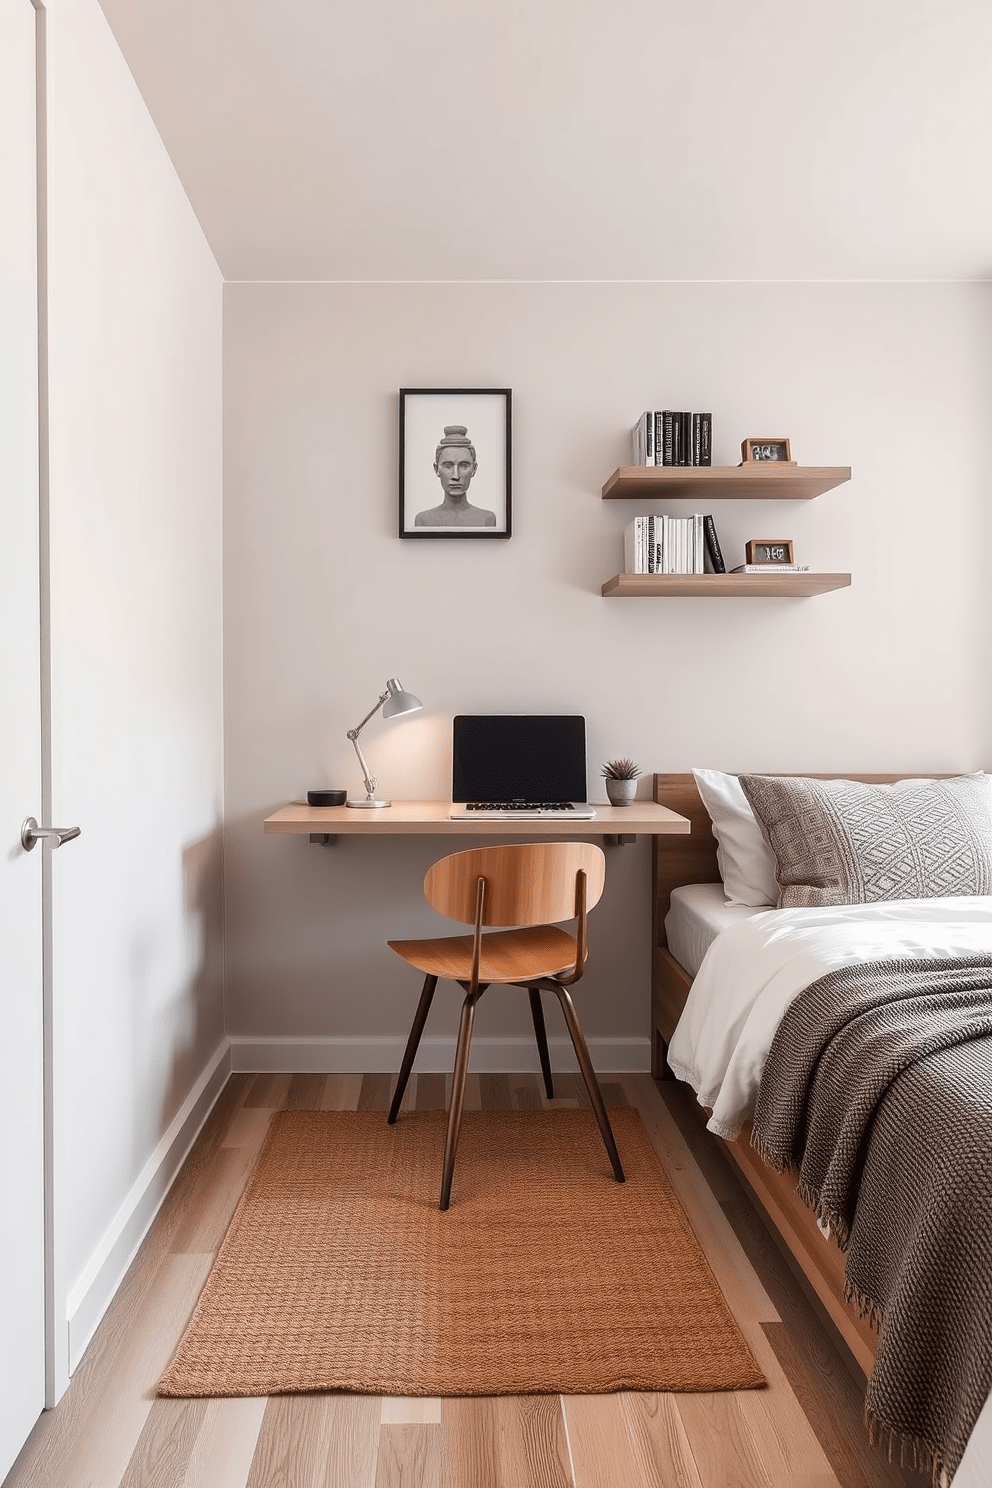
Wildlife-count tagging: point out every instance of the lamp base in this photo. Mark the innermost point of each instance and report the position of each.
(368, 805)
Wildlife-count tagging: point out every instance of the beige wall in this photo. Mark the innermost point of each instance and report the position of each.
(323, 602)
(135, 563)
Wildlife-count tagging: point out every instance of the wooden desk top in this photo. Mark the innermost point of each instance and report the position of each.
(413, 818)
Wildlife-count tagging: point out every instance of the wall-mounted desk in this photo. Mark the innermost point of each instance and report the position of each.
(430, 818)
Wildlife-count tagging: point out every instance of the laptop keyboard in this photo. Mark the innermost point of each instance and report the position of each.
(519, 806)
(562, 810)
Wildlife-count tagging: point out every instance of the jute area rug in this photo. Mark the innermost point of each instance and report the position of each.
(339, 1272)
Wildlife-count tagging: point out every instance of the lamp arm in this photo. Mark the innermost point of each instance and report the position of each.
(370, 781)
(354, 733)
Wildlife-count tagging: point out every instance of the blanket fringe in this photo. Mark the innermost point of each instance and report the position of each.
(837, 1228)
(912, 1450)
(837, 1225)
(770, 1155)
(829, 1219)
(866, 1306)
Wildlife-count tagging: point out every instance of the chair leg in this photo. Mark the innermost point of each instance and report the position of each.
(458, 1093)
(541, 1034)
(412, 1045)
(592, 1084)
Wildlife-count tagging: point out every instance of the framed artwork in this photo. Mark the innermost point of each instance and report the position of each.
(767, 449)
(454, 462)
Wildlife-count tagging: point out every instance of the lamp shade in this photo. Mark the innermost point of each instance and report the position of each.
(398, 701)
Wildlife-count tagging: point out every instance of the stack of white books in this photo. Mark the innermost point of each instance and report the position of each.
(664, 545)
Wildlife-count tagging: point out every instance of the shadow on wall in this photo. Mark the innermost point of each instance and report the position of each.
(194, 1029)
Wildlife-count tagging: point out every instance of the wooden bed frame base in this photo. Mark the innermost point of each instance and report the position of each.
(692, 859)
(818, 1259)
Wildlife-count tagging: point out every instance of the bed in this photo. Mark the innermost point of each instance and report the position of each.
(689, 915)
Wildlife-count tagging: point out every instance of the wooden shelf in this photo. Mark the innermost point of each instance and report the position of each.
(724, 586)
(753, 482)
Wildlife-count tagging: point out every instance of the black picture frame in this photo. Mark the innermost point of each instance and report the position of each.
(441, 429)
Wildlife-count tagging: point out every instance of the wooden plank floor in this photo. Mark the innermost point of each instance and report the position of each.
(110, 1430)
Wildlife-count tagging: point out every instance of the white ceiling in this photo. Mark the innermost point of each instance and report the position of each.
(576, 139)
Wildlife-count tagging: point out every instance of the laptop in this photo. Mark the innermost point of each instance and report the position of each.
(519, 766)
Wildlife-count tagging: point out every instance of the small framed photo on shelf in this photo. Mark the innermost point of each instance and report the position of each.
(454, 478)
(769, 550)
(777, 450)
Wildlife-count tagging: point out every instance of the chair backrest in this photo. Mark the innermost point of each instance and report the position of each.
(527, 883)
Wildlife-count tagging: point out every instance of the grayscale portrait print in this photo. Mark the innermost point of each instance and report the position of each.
(454, 462)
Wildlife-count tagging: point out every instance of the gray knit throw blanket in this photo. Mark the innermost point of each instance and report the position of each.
(878, 1089)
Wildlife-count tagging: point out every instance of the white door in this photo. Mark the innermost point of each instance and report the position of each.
(22, 1240)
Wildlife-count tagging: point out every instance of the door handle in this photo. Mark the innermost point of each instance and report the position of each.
(32, 833)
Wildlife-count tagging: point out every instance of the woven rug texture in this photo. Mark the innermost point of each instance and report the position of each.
(339, 1272)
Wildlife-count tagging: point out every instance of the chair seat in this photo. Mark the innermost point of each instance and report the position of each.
(507, 955)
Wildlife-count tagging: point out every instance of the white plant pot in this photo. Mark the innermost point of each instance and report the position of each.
(621, 792)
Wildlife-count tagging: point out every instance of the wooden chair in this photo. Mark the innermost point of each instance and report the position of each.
(527, 886)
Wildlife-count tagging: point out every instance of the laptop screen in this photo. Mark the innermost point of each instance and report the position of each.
(530, 757)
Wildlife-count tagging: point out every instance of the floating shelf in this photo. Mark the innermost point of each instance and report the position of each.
(757, 481)
(724, 586)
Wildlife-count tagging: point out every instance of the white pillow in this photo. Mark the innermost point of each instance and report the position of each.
(746, 862)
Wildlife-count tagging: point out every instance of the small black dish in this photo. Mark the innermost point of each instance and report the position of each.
(326, 797)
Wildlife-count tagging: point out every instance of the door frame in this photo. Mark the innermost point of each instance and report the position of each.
(56, 1287)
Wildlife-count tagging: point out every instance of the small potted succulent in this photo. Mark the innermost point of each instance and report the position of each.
(621, 781)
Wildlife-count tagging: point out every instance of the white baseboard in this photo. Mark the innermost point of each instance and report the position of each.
(492, 1056)
(92, 1293)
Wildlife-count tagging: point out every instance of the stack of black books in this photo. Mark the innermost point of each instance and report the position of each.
(670, 438)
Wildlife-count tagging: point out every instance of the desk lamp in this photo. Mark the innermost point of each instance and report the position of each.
(396, 703)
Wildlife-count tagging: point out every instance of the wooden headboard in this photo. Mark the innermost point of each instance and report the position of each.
(680, 860)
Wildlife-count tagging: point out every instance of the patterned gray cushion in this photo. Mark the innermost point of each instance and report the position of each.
(841, 842)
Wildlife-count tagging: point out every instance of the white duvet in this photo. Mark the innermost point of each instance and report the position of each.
(755, 969)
